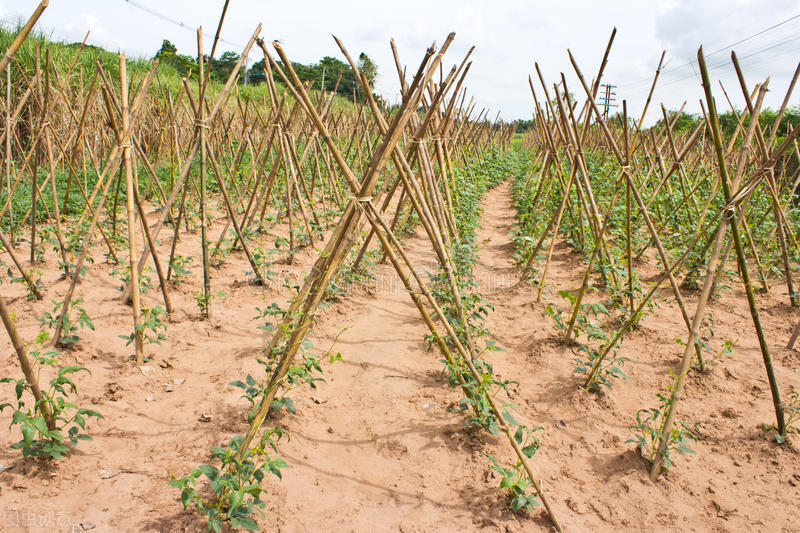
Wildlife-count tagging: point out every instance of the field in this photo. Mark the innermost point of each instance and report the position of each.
(272, 307)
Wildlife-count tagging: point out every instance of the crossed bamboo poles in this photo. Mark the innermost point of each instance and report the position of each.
(297, 136)
(292, 137)
(652, 167)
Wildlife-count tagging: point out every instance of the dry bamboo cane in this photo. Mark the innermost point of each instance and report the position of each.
(553, 224)
(585, 182)
(785, 102)
(289, 218)
(8, 133)
(587, 276)
(202, 126)
(31, 378)
(105, 179)
(23, 33)
(176, 232)
(640, 203)
(375, 218)
(35, 172)
(291, 184)
(52, 168)
(389, 143)
(82, 189)
(430, 209)
(592, 375)
(162, 280)
(754, 111)
(195, 147)
(440, 245)
(676, 394)
(556, 225)
(28, 280)
(330, 259)
(138, 325)
(628, 257)
(259, 280)
(115, 155)
(297, 169)
(771, 187)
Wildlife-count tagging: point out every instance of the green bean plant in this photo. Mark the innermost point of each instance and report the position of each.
(180, 268)
(236, 484)
(791, 409)
(514, 480)
(650, 424)
(77, 317)
(53, 438)
(595, 341)
(152, 327)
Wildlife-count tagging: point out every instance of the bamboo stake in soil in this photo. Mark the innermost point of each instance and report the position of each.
(127, 156)
(674, 401)
(776, 400)
(105, 179)
(30, 376)
(205, 308)
(9, 129)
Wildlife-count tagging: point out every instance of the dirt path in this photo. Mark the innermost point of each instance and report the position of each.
(383, 451)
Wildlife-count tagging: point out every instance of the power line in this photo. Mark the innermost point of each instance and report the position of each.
(665, 71)
(725, 62)
(175, 22)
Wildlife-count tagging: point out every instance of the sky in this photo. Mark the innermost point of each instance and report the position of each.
(509, 36)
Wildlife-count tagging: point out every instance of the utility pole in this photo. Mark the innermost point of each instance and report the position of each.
(608, 98)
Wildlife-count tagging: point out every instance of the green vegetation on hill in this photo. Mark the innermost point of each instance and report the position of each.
(174, 65)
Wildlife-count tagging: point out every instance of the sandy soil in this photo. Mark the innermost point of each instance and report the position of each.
(377, 448)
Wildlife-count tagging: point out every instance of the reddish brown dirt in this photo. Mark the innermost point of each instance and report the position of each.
(377, 448)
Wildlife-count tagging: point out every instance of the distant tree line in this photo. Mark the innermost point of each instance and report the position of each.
(329, 71)
(687, 121)
(728, 121)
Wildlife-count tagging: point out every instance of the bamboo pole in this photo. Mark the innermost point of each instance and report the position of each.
(130, 186)
(23, 33)
(31, 377)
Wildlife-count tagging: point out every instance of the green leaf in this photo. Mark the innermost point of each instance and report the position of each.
(18, 417)
(188, 495)
(90, 412)
(39, 424)
(27, 435)
(518, 503)
(510, 419)
(245, 523)
(210, 472)
(530, 450)
(518, 436)
(235, 499)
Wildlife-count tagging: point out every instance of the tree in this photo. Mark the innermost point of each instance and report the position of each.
(327, 71)
(221, 68)
(167, 48)
(684, 122)
(370, 71)
(333, 68)
(168, 55)
(523, 125)
(256, 73)
(368, 67)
